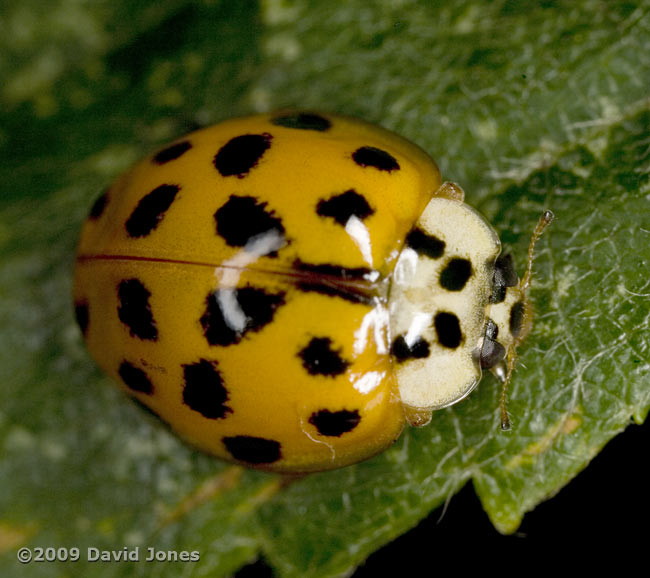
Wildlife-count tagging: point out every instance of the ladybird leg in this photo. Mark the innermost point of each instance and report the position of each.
(503, 372)
(450, 191)
(417, 417)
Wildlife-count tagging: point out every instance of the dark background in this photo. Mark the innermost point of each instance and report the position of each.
(607, 502)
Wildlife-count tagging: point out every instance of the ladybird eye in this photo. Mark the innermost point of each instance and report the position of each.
(492, 353)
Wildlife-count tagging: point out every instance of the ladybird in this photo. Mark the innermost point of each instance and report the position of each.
(287, 290)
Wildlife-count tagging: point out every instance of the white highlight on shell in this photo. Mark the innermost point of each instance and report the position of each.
(361, 236)
(368, 381)
(419, 323)
(230, 270)
(375, 324)
(406, 267)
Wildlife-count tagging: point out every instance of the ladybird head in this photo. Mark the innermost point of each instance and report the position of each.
(509, 316)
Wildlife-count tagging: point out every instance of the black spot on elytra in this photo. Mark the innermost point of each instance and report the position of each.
(242, 218)
(447, 328)
(172, 152)
(204, 391)
(402, 351)
(150, 210)
(320, 358)
(135, 378)
(492, 353)
(256, 305)
(98, 206)
(342, 207)
(253, 450)
(334, 423)
(455, 274)
(374, 157)
(134, 309)
(81, 315)
(517, 314)
(240, 154)
(303, 121)
(425, 245)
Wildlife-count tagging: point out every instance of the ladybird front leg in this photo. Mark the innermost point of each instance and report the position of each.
(450, 191)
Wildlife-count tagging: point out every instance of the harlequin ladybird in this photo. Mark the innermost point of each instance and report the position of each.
(287, 290)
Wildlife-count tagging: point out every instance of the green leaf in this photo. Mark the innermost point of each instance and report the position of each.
(527, 105)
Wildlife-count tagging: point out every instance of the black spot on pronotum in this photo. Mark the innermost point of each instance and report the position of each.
(492, 353)
(455, 274)
(447, 328)
(342, 207)
(242, 218)
(203, 389)
(253, 450)
(426, 245)
(231, 313)
(517, 315)
(135, 378)
(134, 309)
(81, 315)
(374, 157)
(98, 206)
(334, 423)
(240, 154)
(303, 121)
(150, 210)
(172, 152)
(402, 351)
(320, 358)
